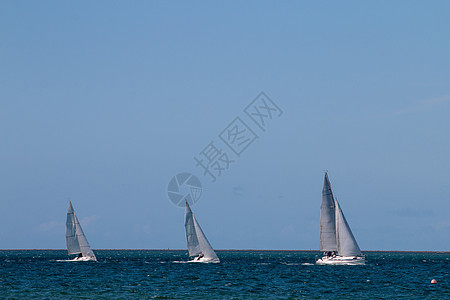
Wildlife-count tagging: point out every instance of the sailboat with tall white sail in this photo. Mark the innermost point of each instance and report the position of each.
(197, 243)
(76, 241)
(336, 238)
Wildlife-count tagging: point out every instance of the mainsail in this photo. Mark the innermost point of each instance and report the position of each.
(346, 243)
(327, 218)
(75, 239)
(197, 243)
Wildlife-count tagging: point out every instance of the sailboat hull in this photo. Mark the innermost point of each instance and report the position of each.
(85, 258)
(342, 260)
(79, 259)
(205, 260)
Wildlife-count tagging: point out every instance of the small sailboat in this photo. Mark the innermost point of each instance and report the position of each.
(336, 238)
(197, 243)
(76, 240)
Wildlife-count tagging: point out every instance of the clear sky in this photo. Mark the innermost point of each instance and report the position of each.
(103, 102)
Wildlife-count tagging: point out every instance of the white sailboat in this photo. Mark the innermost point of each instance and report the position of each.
(76, 240)
(197, 243)
(336, 238)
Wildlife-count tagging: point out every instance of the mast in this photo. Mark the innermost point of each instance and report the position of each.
(327, 218)
(73, 247)
(191, 234)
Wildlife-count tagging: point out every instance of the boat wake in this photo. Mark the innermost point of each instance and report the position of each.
(76, 259)
(180, 262)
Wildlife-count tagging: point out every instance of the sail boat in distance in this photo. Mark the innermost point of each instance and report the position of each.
(76, 240)
(336, 238)
(197, 243)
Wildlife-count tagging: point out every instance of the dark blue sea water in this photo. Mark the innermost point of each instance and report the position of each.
(125, 274)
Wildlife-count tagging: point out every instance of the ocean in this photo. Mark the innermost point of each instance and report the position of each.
(163, 274)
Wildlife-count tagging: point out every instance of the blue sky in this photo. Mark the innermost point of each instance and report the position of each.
(102, 103)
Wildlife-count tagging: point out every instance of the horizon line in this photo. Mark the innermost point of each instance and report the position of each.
(260, 250)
